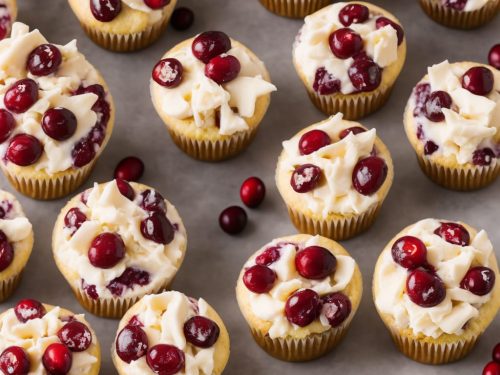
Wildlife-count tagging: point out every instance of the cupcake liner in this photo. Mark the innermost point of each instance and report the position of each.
(8, 286)
(459, 19)
(294, 8)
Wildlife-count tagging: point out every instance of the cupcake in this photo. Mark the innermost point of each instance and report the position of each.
(461, 14)
(117, 242)
(8, 14)
(334, 177)
(294, 8)
(56, 115)
(123, 25)
(212, 93)
(434, 288)
(16, 243)
(452, 120)
(349, 55)
(36, 338)
(171, 333)
(299, 295)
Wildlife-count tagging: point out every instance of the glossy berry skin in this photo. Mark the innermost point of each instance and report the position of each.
(494, 56)
(76, 336)
(14, 361)
(57, 359)
(430, 147)
(125, 189)
(201, 332)
(345, 43)
(28, 309)
(24, 150)
(325, 83)
(157, 228)
(353, 13)
(305, 178)
(303, 307)
(233, 220)
(435, 103)
(453, 233)
(478, 80)
(74, 219)
(259, 279)
(479, 280)
(268, 256)
(312, 141)
(315, 263)
(210, 44)
(59, 123)
(496, 353)
(354, 130)
(384, 21)
(105, 10)
(44, 60)
(182, 18)
(336, 308)
(165, 359)
(252, 192)
(6, 254)
(156, 4)
(369, 175)
(83, 153)
(7, 124)
(106, 250)
(168, 73)
(130, 168)
(492, 368)
(483, 157)
(409, 252)
(153, 201)
(127, 280)
(131, 343)
(223, 69)
(425, 288)
(21, 95)
(365, 75)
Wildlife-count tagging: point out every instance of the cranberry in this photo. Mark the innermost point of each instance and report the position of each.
(4, 26)
(345, 43)
(478, 80)
(153, 201)
(222, 69)
(106, 250)
(15, 361)
(76, 336)
(315, 263)
(312, 141)
(83, 153)
(24, 150)
(210, 44)
(305, 178)
(259, 279)
(182, 18)
(156, 4)
(325, 83)
(128, 279)
(478, 280)
(453, 233)
(369, 175)
(268, 256)
(425, 288)
(131, 343)
(156, 227)
(353, 13)
(95, 89)
(125, 189)
(252, 192)
(233, 219)
(130, 168)
(57, 359)
(383, 21)
(492, 368)
(135, 322)
(496, 353)
(430, 147)
(354, 130)
(44, 60)
(59, 123)
(365, 75)
(74, 219)
(28, 309)
(7, 124)
(494, 56)
(165, 359)
(91, 290)
(201, 332)
(483, 156)
(455, 4)
(336, 308)
(409, 252)
(105, 10)
(303, 307)
(168, 73)
(435, 103)
(6, 254)
(21, 95)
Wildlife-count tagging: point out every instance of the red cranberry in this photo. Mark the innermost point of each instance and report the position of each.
(259, 279)
(409, 252)
(168, 73)
(90, 289)
(383, 21)
(28, 309)
(83, 153)
(365, 75)
(453, 233)
(24, 150)
(44, 60)
(59, 123)
(21, 95)
(131, 343)
(478, 80)
(252, 192)
(6, 254)
(303, 307)
(105, 10)
(57, 359)
(336, 308)
(128, 279)
(14, 361)
(165, 359)
(201, 332)
(7, 124)
(233, 219)
(369, 175)
(435, 103)
(425, 288)
(305, 178)
(315, 263)
(268, 256)
(354, 130)
(156, 4)
(430, 147)
(153, 201)
(222, 69)
(210, 44)
(483, 156)
(76, 336)
(95, 89)
(74, 219)
(345, 43)
(494, 56)
(325, 83)
(312, 141)
(135, 322)
(492, 368)
(478, 280)
(125, 189)
(182, 18)
(353, 13)
(156, 227)
(455, 4)
(130, 168)
(106, 250)
(4, 25)
(496, 353)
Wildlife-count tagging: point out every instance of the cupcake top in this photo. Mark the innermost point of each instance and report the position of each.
(454, 113)
(334, 167)
(212, 81)
(298, 285)
(435, 276)
(171, 324)
(41, 339)
(345, 47)
(119, 240)
(464, 5)
(8, 13)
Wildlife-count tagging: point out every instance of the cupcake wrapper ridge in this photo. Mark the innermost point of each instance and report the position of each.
(294, 8)
(7, 287)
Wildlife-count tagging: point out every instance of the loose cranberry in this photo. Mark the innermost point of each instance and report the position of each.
(74, 219)
(383, 21)
(478, 80)
(14, 361)
(354, 130)
(430, 147)
(131, 344)
(28, 309)
(303, 307)
(365, 75)
(153, 201)
(259, 279)
(453, 233)
(483, 156)
(305, 178)
(168, 73)
(336, 308)
(59, 123)
(455, 4)
(44, 60)
(165, 359)
(24, 150)
(222, 69)
(127, 280)
(478, 280)
(496, 353)
(425, 288)
(156, 227)
(182, 18)
(201, 332)
(76, 336)
(83, 153)
(315, 263)
(268, 256)
(6, 254)
(492, 368)
(21, 95)
(156, 4)
(252, 192)
(130, 168)
(210, 44)
(409, 252)
(369, 175)
(325, 83)
(353, 13)
(105, 10)
(435, 103)
(233, 219)
(494, 56)
(57, 359)
(106, 250)
(7, 124)
(312, 141)
(345, 43)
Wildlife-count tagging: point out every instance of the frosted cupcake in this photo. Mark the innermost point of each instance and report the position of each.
(294, 8)
(16, 243)
(171, 333)
(299, 295)
(56, 114)
(334, 177)
(36, 338)
(123, 25)
(349, 55)
(212, 93)
(116, 243)
(8, 14)
(435, 287)
(452, 120)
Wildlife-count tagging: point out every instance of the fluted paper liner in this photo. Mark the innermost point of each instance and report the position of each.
(8, 286)
(294, 8)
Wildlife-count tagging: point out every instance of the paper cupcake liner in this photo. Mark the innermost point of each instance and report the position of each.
(8, 286)
(294, 8)
(459, 19)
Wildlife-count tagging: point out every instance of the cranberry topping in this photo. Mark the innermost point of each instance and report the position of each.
(384, 21)
(365, 75)
(479, 280)
(369, 175)
(409, 252)
(259, 279)
(354, 130)
(24, 150)
(4, 25)
(153, 201)
(83, 153)
(135, 322)
(105, 10)
(478, 80)
(165, 359)
(74, 219)
(106, 250)
(210, 44)
(90, 289)
(125, 189)
(28, 309)
(492, 368)
(353, 13)
(435, 103)
(336, 308)
(252, 192)
(130, 168)
(455, 4)
(453, 233)
(345, 43)
(201, 332)
(430, 147)
(325, 83)
(156, 4)
(312, 141)
(21, 95)
(483, 157)
(315, 263)
(233, 219)
(494, 56)
(6, 252)
(128, 279)
(76, 336)
(268, 256)
(59, 123)
(7, 124)
(305, 178)
(496, 353)
(14, 361)
(168, 73)
(303, 307)
(223, 68)
(156, 227)
(421, 92)
(57, 359)
(425, 288)
(131, 343)
(182, 18)
(44, 60)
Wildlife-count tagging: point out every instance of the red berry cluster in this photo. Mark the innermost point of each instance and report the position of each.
(108, 10)
(493, 367)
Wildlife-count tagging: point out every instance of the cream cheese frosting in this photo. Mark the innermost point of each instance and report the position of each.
(470, 5)
(14, 223)
(154, 15)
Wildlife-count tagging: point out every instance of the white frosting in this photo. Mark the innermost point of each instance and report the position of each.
(312, 50)
(36, 335)
(14, 224)
(451, 263)
(200, 98)
(470, 5)
(154, 15)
